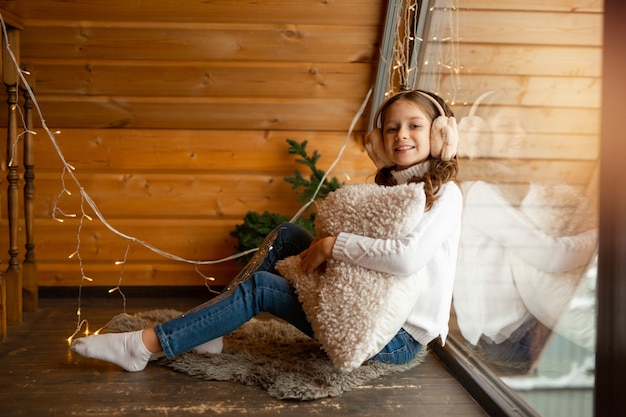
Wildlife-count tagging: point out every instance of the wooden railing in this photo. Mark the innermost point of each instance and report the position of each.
(18, 285)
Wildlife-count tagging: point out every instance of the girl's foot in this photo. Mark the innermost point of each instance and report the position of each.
(123, 349)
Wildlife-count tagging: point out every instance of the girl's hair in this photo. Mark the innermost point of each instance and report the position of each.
(439, 172)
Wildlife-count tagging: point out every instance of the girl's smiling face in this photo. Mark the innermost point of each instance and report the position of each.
(406, 133)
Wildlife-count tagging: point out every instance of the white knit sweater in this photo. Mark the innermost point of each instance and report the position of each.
(433, 245)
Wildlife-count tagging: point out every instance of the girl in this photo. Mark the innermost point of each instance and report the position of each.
(415, 142)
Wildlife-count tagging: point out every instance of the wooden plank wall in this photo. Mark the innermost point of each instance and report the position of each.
(175, 116)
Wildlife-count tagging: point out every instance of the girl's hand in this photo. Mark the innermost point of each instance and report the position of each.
(316, 255)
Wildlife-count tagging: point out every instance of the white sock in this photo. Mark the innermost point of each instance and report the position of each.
(124, 349)
(212, 346)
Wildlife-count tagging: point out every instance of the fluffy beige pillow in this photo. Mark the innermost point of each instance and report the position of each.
(356, 311)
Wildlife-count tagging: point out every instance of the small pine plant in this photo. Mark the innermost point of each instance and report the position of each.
(256, 226)
(310, 185)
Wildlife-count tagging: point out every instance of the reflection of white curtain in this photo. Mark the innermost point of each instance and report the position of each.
(439, 55)
(419, 48)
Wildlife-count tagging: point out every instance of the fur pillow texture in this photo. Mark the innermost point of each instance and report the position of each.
(356, 311)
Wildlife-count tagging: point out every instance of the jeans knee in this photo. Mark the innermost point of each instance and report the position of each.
(400, 350)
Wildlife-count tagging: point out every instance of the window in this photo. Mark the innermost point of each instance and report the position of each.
(526, 84)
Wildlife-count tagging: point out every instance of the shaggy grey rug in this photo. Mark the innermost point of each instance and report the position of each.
(268, 353)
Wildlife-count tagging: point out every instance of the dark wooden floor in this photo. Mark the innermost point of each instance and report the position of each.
(39, 376)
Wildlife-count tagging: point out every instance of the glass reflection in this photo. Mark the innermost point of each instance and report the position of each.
(524, 296)
(524, 80)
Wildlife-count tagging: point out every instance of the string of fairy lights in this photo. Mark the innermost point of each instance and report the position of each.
(68, 170)
(400, 67)
(411, 59)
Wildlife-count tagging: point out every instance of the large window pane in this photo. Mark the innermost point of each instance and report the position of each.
(524, 79)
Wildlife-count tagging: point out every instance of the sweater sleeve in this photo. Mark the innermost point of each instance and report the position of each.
(487, 211)
(406, 255)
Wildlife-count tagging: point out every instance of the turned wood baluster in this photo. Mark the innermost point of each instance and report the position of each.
(3, 308)
(3, 304)
(29, 267)
(13, 278)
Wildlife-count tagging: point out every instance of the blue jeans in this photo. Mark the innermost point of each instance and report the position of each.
(258, 288)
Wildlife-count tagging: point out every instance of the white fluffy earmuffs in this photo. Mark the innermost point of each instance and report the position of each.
(444, 136)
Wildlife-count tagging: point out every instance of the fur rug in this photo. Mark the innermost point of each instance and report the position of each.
(267, 353)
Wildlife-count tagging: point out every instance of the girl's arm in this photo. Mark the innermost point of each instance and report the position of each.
(406, 255)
